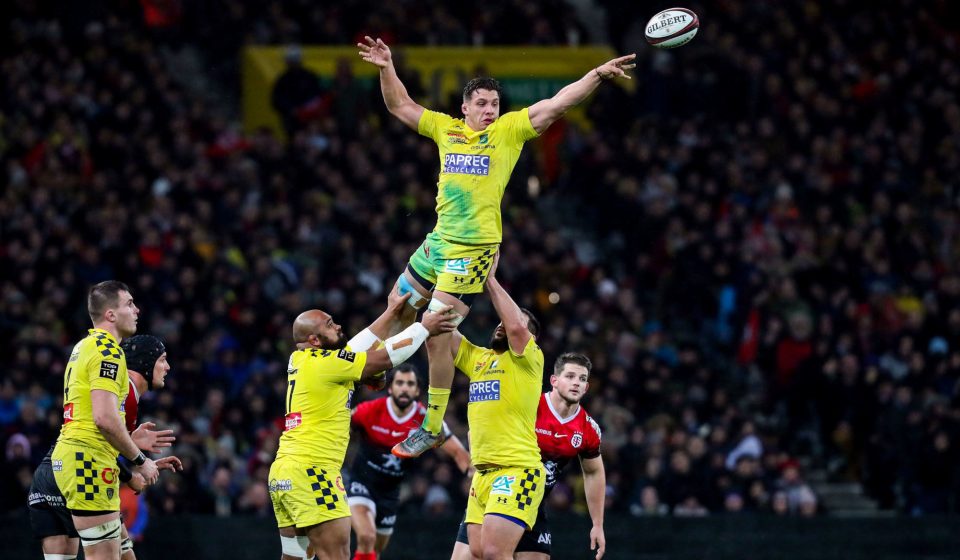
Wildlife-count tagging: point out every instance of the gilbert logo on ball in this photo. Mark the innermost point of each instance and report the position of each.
(672, 28)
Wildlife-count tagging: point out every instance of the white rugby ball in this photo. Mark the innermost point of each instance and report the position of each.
(672, 28)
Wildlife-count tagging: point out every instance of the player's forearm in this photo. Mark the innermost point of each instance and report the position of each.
(507, 309)
(114, 431)
(595, 488)
(574, 94)
(394, 92)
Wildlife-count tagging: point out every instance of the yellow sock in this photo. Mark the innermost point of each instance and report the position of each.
(436, 407)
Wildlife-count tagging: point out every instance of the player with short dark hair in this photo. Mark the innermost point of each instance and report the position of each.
(84, 458)
(49, 517)
(309, 500)
(477, 156)
(564, 431)
(375, 476)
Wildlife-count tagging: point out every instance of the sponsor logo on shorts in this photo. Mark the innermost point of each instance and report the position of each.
(388, 521)
(485, 391)
(457, 266)
(292, 420)
(57, 465)
(108, 475)
(277, 485)
(68, 413)
(501, 500)
(109, 370)
(576, 440)
(466, 164)
(358, 488)
(544, 538)
(503, 484)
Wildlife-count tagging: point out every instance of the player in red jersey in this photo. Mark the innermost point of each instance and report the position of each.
(147, 367)
(564, 431)
(376, 473)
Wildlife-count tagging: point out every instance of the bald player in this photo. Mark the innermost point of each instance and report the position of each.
(309, 499)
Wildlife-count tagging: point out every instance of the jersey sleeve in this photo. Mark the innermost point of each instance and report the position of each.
(338, 366)
(466, 357)
(518, 127)
(592, 437)
(432, 123)
(104, 372)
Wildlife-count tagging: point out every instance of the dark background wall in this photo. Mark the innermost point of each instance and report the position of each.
(714, 538)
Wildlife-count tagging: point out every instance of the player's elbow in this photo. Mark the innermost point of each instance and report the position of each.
(103, 420)
(516, 330)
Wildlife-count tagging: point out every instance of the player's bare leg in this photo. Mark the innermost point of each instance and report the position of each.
(330, 540)
(430, 434)
(100, 535)
(475, 536)
(126, 545)
(381, 544)
(499, 538)
(531, 556)
(66, 547)
(461, 551)
(364, 526)
(419, 299)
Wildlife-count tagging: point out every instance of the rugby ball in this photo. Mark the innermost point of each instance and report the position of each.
(672, 28)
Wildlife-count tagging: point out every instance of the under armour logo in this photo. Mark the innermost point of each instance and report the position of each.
(433, 406)
(501, 500)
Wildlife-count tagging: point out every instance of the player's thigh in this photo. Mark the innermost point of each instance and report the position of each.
(87, 478)
(60, 544)
(530, 555)
(330, 540)
(475, 536)
(461, 551)
(536, 544)
(422, 267)
(499, 536)
(514, 492)
(98, 544)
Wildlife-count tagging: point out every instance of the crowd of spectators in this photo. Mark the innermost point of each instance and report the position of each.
(757, 247)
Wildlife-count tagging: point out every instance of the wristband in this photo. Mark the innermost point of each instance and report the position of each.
(139, 459)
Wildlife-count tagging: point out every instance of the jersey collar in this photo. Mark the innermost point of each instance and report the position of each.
(546, 397)
(104, 332)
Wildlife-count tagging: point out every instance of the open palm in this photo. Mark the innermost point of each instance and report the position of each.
(375, 52)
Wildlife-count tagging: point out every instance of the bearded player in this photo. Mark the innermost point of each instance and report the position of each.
(477, 156)
(374, 489)
(564, 432)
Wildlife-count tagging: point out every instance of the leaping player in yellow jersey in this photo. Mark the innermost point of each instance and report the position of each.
(477, 156)
(505, 382)
(309, 500)
(84, 459)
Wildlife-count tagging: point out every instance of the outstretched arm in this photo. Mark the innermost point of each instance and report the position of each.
(457, 452)
(513, 319)
(546, 112)
(595, 488)
(395, 95)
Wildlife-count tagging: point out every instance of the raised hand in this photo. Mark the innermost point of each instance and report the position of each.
(617, 67)
(375, 52)
(148, 439)
(440, 321)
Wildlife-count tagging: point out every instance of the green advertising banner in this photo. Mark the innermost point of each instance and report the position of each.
(527, 73)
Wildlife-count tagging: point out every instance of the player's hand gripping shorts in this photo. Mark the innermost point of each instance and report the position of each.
(513, 491)
(87, 477)
(453, 268)
(305, 495)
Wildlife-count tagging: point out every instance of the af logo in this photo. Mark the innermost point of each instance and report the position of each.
(503, 485)
(576, 440)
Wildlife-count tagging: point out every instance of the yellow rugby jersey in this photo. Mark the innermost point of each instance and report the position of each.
(97, 362)
(502, 410)
(320, 386)
(475, 167)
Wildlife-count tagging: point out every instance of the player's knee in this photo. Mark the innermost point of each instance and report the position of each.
(105, 532)
(295, 547)
(455, 316)
(366, 540)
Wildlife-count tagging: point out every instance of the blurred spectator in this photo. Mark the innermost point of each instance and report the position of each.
(297, 95)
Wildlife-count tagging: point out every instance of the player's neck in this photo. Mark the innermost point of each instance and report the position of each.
(110, 328)
(561, 406)
(139, 381)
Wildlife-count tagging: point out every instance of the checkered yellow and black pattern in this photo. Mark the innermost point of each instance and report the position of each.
(528, 488)
(323, 490)
(453, 268)
(107, 347)
(306, 494)
(86, 477)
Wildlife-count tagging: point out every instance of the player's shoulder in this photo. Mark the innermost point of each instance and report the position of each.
(589, 422)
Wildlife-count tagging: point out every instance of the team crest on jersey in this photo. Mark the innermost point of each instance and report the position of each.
(577, 440)
(68, 413)
(110, 493)
(466, 164)
(484, 138)
(503, 485)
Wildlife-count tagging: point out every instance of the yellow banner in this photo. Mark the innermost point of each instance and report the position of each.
(528, 74)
